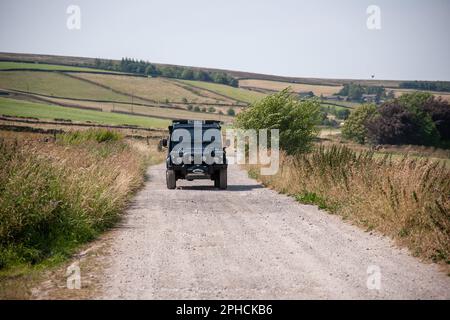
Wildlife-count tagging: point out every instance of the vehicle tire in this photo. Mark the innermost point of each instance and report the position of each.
(223, 179)
(170, 179)
(217, 181)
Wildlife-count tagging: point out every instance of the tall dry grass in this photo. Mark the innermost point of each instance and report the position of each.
(55, 195)
(407, 199)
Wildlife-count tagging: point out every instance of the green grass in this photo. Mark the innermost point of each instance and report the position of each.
(98, 135)
(312, 198)
(56, 84)
(234, 93)
(13, 107)
(55, 197)
(4, 65)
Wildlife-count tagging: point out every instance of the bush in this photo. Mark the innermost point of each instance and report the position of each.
(342, 114)
(416, 118)
(296, 120)
(397, 124)
(231, 112)
(355, 126)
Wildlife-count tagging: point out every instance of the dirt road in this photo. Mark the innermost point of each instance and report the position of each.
(250, 242)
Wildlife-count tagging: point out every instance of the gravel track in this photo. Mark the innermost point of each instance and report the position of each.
(249, 242)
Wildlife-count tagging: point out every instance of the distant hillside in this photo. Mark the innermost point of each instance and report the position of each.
(240, 75)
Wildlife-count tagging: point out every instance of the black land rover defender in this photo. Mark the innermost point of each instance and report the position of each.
(195, 151)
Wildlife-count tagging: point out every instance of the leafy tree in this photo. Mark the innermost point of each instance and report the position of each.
(201, 75)
(220, 77)
(187, 74)
(231, 112)
(439, 111)
(355, 126)
(211, 109)
(196, 109)
(296, 120)
(150, 70)
(190, 107)
(342, 114)
(395, 123)
(415, 118)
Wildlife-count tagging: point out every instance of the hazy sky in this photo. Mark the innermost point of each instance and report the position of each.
(320, 38)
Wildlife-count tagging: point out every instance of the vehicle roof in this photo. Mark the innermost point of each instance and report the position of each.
(190, 124)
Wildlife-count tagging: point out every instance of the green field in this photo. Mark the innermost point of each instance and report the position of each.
(157, 89)
(5, 65)
(56, 84)
(13, 107)
(234, 93)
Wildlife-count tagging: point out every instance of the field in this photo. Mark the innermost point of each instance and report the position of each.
(56, 84)
(238, 94)
(156, 89)
(151, 111)
(444, 95)
(97, 90)
(12, 107)
(296, 87)
(5, 65)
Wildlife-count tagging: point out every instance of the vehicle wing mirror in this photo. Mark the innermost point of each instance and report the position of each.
(163, 142)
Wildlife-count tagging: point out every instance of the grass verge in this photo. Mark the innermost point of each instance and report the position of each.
(57, 195)
(406, 199)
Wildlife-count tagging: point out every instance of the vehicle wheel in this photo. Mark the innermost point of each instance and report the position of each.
(170, 179)
(223, 179)
(217, 181)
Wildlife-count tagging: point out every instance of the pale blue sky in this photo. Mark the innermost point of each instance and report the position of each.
(320, 38)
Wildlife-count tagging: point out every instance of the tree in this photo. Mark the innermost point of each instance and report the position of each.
(342, 114)
(231, 112)
(396, 124)
(296, 120)
(355, 126)
(150, 70)
(187, 74)
(211, 109)
(201, 75)
(439, 111)
(411, 119)
(196, 109)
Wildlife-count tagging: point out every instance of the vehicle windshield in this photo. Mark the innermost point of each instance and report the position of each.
(203, 135)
